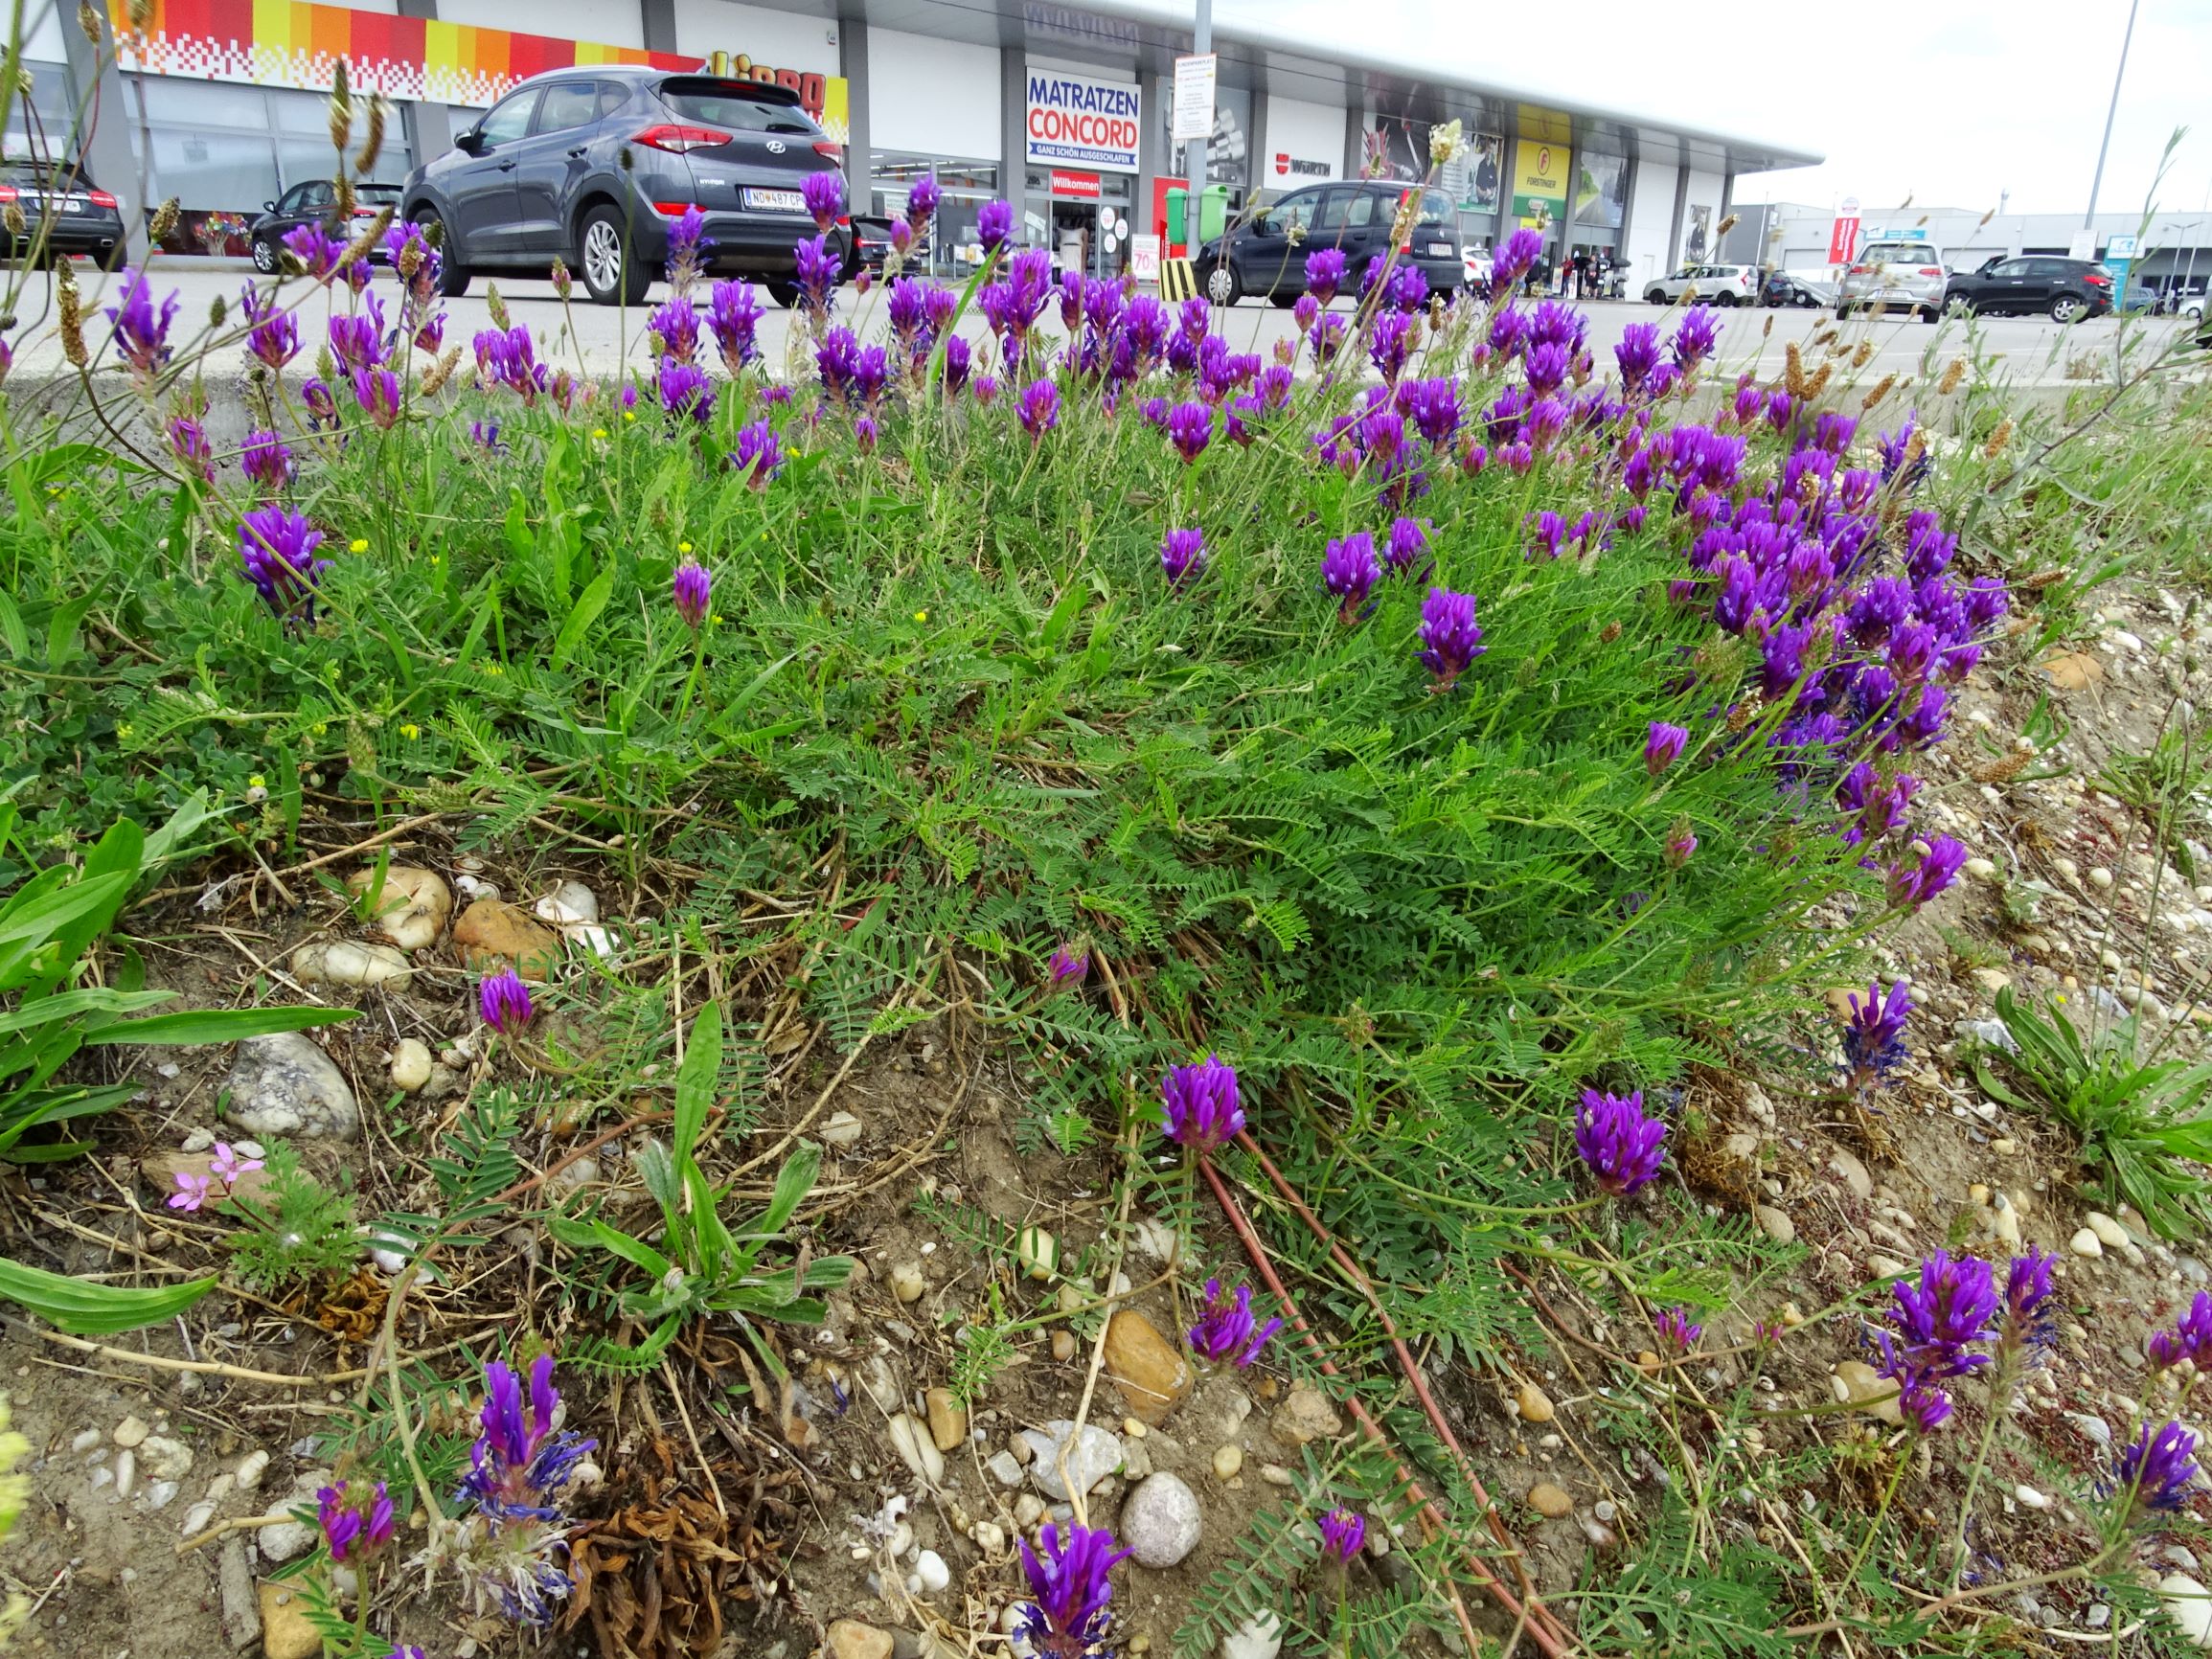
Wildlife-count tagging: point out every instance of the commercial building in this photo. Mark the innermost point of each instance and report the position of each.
(1062, 110)
(2173, 250)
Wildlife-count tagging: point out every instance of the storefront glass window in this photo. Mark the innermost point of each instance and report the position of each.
(965, 186)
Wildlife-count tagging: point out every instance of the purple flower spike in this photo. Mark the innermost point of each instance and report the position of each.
(1350, 570)
(1663, 746)
(1342, 1532)
(504, 1001)
(1408, 545)
(277, 548)
(1324, 273)
(520, 1465)
(1069, 1586)
(1874, 1037)
(1677, 1331)
(1933, 866)
(267, 460)
(1951, 1307)
(141, 334)
(759, 454)
(1038, 408)
(824, 193)
(1622, 1148)
(1183, 556)
(1923, 1405)
(1069, 965)
(993, 225)
(922, 198)
(691, 590)
(2159, 1468)
(2191, 1337)
(1449, 638)
(1681, 845)
(1190, 429)
(354, 1525)
(1225, 1332)
(1202, 1112)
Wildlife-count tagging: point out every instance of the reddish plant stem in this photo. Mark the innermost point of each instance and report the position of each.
(1429, 1514)
(1539, 1617)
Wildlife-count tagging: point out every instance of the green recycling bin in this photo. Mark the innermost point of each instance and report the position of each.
(1212, 212)
(1179, 204)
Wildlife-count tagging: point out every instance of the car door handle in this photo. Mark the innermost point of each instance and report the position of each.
(506, 167)
(580, 151)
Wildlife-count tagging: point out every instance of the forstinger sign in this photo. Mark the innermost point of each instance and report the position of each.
(1091, 124)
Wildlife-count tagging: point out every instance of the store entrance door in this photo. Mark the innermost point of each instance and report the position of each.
(1075, 216)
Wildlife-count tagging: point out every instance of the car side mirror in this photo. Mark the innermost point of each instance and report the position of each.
(470, 142)
(268, 207)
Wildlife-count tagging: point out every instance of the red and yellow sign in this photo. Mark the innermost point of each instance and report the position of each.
(300, 44)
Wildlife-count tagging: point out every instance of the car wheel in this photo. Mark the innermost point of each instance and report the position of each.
(2069, 308)
(1843, 311)
(1724, 301)
(609, 274)
(266, 258)
(1655, 297)
(784, 292)
(1931, 313)
(1282, 301)
(452, 270)
(1222, 288)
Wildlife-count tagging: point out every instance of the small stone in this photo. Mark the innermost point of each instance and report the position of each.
(1853, 1172)
(2032, 1498)
(241, 1614)
(493, 934)
(1774, 1223)
(850, 1639)
(1094, 1456)
(1534, 1404)
(352, 962)
(2004, 1147)
(841, 1131)
(197, 1518)
(1150, 1373)
(1259, 1637)
(1549, 1501)
(1978, 1195)
(930, 1567)
(285, 1632)
(1004, 1468)
(1981, 868)
(1038, 1253)
(1028, 1510)
(572, 1178)
(1064, 1346)
(284, 1085)
(126, 1473)
(2109, 1233)
(199, 1139)
(910, 1440)
(410, 1064)
(2189, 1604)
(1992, 979)
(2006, 1220)
(948, 1419)
(2086, 1243)
(907, 1283)
(2100, 876)
(1276, 1475)
(569, 905)
(411, 905)
(1304, 1415)
(1854, 1382)
(1161, 1521)
(1229, 1463)
(990, 1536)
(164, 1458)
(132, 1431)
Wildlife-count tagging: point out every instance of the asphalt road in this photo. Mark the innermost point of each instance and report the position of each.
(2030, 351)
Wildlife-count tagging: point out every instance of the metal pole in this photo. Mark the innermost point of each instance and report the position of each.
(1194, 151)
(2096, 183)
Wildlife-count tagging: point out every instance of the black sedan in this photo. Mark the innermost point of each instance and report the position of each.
(62, 212)
(2068, 290)
(315, 199)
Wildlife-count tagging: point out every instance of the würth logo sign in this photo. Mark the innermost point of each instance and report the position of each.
(1091, 124)
(1286, 164)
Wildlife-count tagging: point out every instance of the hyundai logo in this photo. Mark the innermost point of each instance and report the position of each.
(775, 147)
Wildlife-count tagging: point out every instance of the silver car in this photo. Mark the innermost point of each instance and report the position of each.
(1895, 276)
(1720, 285)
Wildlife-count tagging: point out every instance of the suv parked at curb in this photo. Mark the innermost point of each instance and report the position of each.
(58, 196)
(544, 174)
(2068, 290)
(1266, 253)
(1902, 276)
(1720, 285)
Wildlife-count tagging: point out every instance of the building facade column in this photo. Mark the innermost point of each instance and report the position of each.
(1014, 139)
(859, 145)
(1354, 139)
(106, 150)
(659, 17)
(1674, 226)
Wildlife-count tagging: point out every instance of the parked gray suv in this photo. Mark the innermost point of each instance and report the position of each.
(544, 173)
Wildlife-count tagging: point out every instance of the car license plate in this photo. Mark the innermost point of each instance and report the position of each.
(776, 201)
(72, 204)
(1440, 250)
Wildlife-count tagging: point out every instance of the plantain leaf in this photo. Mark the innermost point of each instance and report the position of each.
(85, 1309)
(222, 1025)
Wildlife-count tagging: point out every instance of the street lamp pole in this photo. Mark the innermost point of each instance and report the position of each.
(2096, 183)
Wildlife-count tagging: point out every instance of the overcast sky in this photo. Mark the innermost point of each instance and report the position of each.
(1971, 99)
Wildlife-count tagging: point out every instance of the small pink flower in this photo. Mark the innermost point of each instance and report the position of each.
(191, 1192)
(226, 1165)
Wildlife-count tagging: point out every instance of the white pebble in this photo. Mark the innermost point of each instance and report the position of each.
(126, 1471)
(930, 1567)
(2085, 1243)
(2100, 876)
(251, 1467)
(2029, 1496)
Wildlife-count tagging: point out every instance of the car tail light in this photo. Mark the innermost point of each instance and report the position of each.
(2097, 280)
(681, 140)
(99, 198)
(1931, 270)
(674, 209)
(1862, 270)
(835, 151)
(8, 193)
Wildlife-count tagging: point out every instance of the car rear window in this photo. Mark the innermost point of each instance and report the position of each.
(377, 194)
(737, 104)
(40, 174)
(1899, 253)
(1435, 208)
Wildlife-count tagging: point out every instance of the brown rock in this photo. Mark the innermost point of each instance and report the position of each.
(285, 1633)
(1064, 1346)
(1534, 1404)
(162, 1168)
(411, 905)
(1304, 1415)
(1549, 1501)
(1153, 1377)
(947, 1420)
(493, 933)
(2072, 670)
(850, 1639)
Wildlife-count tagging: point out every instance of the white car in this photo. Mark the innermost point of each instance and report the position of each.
(1701, 285)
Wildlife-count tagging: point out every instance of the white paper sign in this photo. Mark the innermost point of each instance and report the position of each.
(1195, 98)
(1145, 258)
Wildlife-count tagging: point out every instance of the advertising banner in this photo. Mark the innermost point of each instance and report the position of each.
(1540, 182)
(298, 44)
(1843, 239)
(1092, 124)
(827, 98)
